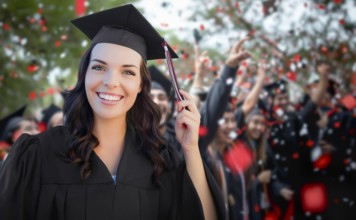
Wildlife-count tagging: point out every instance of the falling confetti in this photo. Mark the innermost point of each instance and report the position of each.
(314, 197)
(239, 157)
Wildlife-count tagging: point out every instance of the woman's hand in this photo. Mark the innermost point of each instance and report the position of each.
(187, 124)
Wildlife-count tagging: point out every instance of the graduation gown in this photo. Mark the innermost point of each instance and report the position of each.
(36, 182)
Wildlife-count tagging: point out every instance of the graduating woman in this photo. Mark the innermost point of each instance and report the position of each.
(109, 161)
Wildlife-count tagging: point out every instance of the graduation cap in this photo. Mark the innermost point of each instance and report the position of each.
(49, 112)
(160, 81)
(277, 87)
(10, 122)
(124, 26)
(64, 94)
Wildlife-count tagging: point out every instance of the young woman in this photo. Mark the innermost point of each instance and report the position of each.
(109, 160)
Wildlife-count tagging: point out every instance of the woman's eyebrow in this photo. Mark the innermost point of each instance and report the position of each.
(100, 61)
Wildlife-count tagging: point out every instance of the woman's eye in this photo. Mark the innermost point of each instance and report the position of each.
(97, 67)
(129, 73)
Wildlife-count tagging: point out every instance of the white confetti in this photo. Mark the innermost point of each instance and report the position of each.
(229, 81)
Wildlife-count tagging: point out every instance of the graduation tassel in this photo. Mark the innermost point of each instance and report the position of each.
(171, 71)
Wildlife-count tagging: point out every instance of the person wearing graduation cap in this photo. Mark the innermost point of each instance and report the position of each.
(291, 140)
(109, 160)
(12, 127)
(52, 116)
(162, 94)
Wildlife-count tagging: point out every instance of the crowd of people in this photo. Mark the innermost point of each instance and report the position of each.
(270, 158)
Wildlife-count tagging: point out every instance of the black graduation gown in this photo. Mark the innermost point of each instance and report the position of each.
(36, 182)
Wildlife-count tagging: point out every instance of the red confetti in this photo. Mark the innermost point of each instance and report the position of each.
(201, 27)
(271, 216)
(239, 157)
(353, 79)
(42, 126)
(324, 49)
(57, 43)
(337, 124)
(40, 11)
(32, 20)
(310, 143)
(203, 131)
(32, 95)
(338, 1)
(42, 22)
(79, 7)
(291, 76)
(342, 22)
(32, 68)
(44, 28)
(42, 94)
(295, 156)
(257, 208)
(349, 101)
(321, 6)
(314, 197)
(323, 161)
(347, 161)
(6, 26)
(264, 10)
(50, 91)
(296, 58)
(237, 6)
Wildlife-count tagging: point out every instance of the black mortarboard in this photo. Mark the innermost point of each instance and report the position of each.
(125, 26)
(10, 122)
(162, 80)
(277, 87)
(49, 112)
(64, 94)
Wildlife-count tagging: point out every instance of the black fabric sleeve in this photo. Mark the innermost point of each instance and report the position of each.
(190, 206)
(20, 180)
(214, 107)
(308, 112)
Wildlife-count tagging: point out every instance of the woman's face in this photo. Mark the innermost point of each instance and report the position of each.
(112, 80)
(226, 126)
(256, 126)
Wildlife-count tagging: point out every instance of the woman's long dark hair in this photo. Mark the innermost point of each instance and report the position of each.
(144, 116)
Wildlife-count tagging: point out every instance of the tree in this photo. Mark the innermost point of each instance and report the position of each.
(323, 30)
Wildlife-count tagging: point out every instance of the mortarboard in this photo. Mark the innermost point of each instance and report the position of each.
(10, 122)
(277, 87)
(49, 112)
(161, 80)
(125, 26)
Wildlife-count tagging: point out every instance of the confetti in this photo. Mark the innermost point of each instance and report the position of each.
(32, 95)
(323, 161)
(314, 197)
(238, 158)
(203, 131)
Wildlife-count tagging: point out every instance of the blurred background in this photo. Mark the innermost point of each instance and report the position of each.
(40, 49)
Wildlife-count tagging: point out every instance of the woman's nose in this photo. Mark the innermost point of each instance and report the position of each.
(111, 80)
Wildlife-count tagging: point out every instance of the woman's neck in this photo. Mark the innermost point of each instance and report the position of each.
(110, 132)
